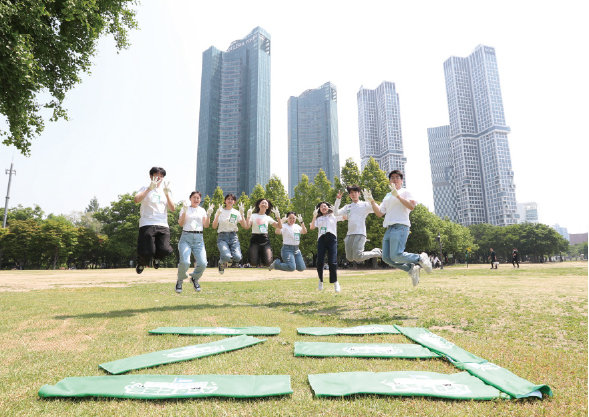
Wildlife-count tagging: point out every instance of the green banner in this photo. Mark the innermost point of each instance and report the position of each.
(505, 380)
(363, 350)
(179, 354)
(439, 345)
(460, 386)
(224, 331)
(358, 330)
(170, 386)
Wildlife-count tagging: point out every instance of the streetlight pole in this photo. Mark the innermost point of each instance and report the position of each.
(439, 239)
(9, 172)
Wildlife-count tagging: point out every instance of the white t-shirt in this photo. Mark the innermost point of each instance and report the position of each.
(327, 224)
(260, 223)
(228, 220)
(395, 212)
(154, 208)
(193, 219)
(356, 214)
(291, 235)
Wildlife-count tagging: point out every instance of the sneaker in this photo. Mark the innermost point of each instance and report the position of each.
(320, 286)
(424, 262)
(221, 267)
(272, 265)
(178, 287)
(378, 251)
(336, 286)
(195, 284)
(139, 269)
(414, 274)
(156, 263)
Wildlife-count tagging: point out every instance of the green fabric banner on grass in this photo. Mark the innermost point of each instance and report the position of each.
(504, 380)
(179, 354)
(224, 331)
(363, 350)
(460, 386)
(439, 345)
(170, 386)
(358, 330)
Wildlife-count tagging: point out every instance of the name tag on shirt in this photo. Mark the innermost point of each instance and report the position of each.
(155, 198)
(322, 230)
(233, 218)
(263, 228)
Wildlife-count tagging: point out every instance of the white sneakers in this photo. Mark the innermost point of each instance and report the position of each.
(320, 286)
(414, 274)
(336, 286)
(424, 262)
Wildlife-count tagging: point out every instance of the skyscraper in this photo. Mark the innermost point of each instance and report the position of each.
(379, 126)
(234, 120)
(313, 142)
(440, 156)
(482, 177)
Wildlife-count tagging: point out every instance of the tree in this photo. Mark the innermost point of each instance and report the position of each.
(23, 213)
(303, 203)
(92, 206)
(20, 244)
(44, 46)
(350, 173)
(120, 222)
(325, 191)
(58, 237)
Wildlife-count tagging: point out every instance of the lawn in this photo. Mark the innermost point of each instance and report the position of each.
(532, 321)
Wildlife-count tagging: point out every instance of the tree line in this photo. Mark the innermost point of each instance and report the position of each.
(106, 237)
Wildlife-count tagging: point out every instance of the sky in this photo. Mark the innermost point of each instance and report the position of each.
(139, 107)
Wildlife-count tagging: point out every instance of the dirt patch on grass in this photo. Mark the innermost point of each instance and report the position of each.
(43, 280)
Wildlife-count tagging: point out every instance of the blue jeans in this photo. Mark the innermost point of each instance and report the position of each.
(191, 242)
(393, 248)
(229, 249)
(291, 259)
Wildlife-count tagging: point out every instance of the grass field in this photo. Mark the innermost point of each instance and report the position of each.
(532, 321)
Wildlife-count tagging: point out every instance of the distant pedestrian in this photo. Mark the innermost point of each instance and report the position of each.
(515, 257)
(493, 257)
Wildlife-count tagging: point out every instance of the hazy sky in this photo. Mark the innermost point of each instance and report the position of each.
(139, 108)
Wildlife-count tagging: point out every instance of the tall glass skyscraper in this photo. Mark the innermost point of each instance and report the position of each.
(479, 158)
(234, 121)
(379, 126)
(313, 142)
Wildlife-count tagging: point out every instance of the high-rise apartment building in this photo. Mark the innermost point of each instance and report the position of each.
(234, 121)
(313, 142)
(440, 157)
(527, 212)
(482, 177)
(379, 127)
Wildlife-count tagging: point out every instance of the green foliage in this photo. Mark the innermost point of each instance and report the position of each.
(23, 213)
(44, 46)
(325, 191)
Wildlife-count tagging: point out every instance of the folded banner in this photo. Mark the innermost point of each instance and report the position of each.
(170, 386)
(179, 354)
(224, 331)
(439, 344)
(505, 380)
(363, 350)
(358, 330)
(460, 386)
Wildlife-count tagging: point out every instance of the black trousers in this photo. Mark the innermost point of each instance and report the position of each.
(260, 248)
(327, 243)
(153, 242)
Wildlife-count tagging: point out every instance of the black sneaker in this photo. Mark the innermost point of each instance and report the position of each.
(221, 267)
(178, 287)
(156, 263)
(139, 269)
(195, 284)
